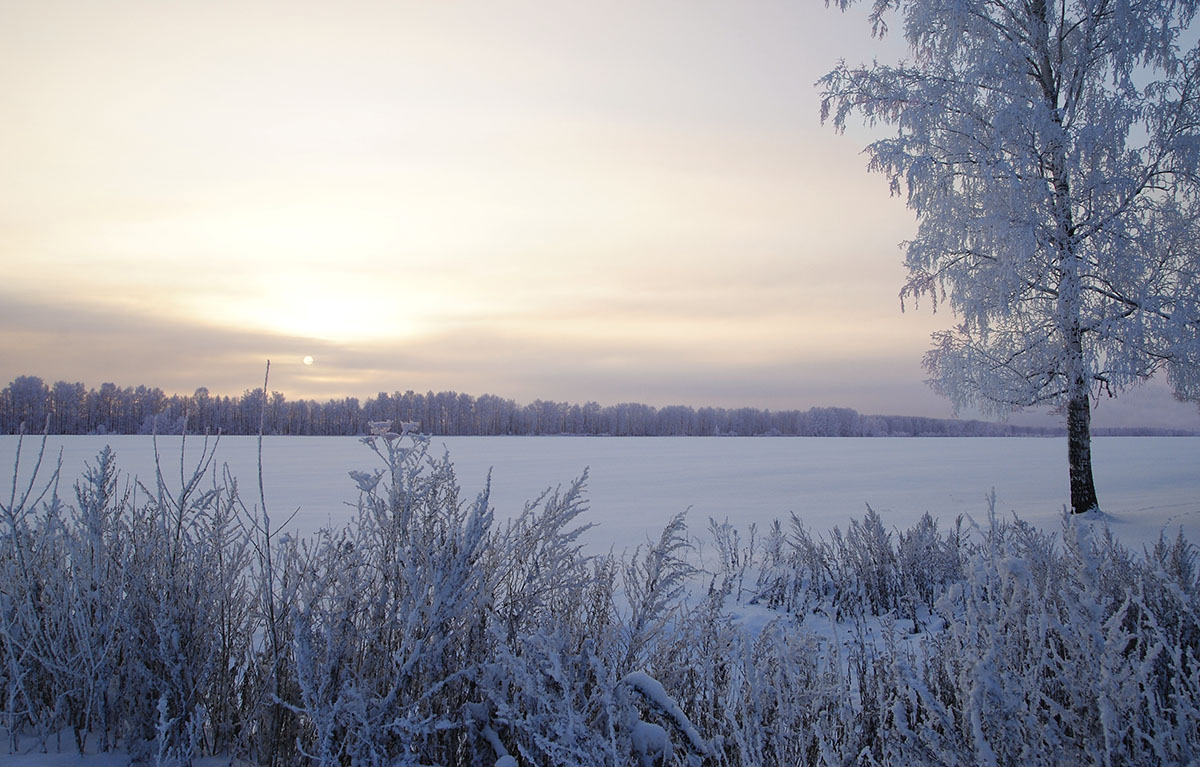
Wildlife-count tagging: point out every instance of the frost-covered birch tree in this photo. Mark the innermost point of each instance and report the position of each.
(1050, 150)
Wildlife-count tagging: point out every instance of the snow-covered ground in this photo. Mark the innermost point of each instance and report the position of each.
(1146, 484)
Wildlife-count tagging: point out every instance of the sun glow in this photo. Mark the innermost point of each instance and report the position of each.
(340, 317)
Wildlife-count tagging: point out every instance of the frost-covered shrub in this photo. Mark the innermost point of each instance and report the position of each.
(549, 698)
(656, 580)
(733, 558)
(188, 630)
(926, 562)
(539, 576)
(64, 603)
(787, 692)
(124, 615)
(391, 625)
(750, 698)
(33, 628)
(796, 575)
(547, 692)
(860, 572)
(1045, 661)
(96, 575)
(865, 567)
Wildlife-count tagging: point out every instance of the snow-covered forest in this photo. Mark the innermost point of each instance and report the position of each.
(171, 620)
(71, 408)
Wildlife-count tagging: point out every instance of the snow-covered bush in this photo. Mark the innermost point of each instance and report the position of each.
(35, 654)
(548, 692)
(734, 558)
(926, 564)
(796, 575)
(188, 631)
(95, 566)
(865, 567)
(861, 572)
(1045, 659)
(391, 624)
(125, 615)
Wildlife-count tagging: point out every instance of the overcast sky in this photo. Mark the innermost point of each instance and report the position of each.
(618, 201)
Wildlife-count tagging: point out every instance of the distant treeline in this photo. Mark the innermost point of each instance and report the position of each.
(74, 409)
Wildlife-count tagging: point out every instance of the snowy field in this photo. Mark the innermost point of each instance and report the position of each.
(1146, 484)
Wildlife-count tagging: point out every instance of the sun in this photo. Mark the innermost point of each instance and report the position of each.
(308, 360)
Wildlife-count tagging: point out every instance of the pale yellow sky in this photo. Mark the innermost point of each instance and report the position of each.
(611, 202)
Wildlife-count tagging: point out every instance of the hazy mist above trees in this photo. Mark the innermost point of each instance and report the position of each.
(74, 409)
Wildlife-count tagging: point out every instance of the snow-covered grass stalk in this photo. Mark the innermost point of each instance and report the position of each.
(270, 676)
